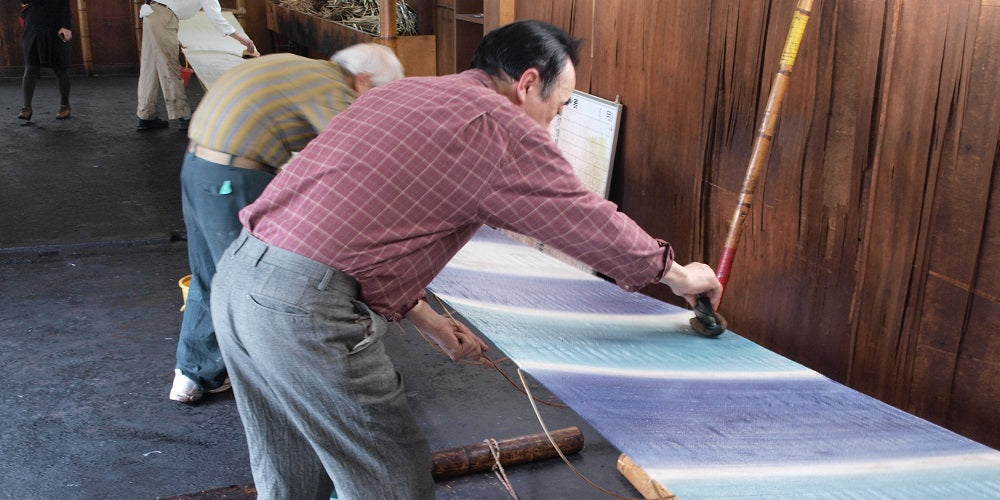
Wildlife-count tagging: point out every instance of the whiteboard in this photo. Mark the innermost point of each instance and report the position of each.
(587, 133)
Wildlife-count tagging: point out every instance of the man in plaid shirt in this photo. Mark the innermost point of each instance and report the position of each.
(355, 227)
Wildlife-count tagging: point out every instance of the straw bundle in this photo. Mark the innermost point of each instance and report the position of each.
(358, 14)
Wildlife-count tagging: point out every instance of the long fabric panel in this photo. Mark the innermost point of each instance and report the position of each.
(209, 53)
(707, 418)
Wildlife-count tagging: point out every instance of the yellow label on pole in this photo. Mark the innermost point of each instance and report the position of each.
(794, 39)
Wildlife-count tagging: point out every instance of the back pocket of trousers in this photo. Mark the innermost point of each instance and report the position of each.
(277, 306)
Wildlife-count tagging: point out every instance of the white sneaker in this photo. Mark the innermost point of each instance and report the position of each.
(184, 389)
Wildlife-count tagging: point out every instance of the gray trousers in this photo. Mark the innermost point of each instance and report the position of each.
(320, 401)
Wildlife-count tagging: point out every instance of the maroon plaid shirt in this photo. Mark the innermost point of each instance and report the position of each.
(398, 182)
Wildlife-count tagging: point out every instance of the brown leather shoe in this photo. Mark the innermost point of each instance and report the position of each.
(63, 113)
(25, 113)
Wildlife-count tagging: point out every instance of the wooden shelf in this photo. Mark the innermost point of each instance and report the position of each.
(416, 52)
(472, 18)
(459, 26)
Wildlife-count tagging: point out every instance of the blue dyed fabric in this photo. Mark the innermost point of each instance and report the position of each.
(706, 418)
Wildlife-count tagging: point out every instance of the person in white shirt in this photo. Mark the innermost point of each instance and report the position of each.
(159, 64)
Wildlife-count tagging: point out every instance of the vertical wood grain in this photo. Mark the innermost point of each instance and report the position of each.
(870, 254)
(867, 254)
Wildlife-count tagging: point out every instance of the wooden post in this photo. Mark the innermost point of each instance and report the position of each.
(497, 13)
(387, 29)
(81, 7)
(138, 26)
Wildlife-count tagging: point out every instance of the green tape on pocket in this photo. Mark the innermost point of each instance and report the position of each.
(226, 188)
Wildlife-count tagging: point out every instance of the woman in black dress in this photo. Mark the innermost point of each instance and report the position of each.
(47, 34)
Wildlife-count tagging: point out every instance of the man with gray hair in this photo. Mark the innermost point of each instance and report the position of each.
(245, 128)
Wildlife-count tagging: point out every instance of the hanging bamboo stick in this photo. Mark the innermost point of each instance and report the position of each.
(707, 322)
(762, 144)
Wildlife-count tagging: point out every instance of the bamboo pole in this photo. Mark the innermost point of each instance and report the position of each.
(762, 144)
(81, 7)
(477, 457)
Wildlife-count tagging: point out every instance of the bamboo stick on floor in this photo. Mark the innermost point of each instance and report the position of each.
(451, 462)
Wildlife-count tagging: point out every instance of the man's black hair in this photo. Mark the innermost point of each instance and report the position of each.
(510, 50)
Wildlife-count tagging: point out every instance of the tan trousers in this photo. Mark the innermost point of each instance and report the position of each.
(159, 66)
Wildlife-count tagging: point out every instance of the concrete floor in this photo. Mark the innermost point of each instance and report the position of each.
(91, 248)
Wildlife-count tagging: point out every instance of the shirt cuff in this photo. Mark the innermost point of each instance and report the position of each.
(668, 259)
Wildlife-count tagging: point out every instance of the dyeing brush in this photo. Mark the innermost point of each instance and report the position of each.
(706, 321)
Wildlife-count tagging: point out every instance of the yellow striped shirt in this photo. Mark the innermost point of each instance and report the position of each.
(266, 108)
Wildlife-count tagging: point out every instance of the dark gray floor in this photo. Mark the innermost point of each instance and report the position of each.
(90, 254)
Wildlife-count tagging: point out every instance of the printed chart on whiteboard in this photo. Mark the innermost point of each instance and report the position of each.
(587, 133)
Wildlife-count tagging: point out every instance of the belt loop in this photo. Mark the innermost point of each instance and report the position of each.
(326, 280)
(260, 257)
(243, 241)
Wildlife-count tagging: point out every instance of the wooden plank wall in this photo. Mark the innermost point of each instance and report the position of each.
(869, 254)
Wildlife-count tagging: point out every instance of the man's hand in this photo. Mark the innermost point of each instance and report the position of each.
(454, 338)
(693, 279)
(65, 34)
(245, 40)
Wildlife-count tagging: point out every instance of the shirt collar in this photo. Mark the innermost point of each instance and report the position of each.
(482, 77)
